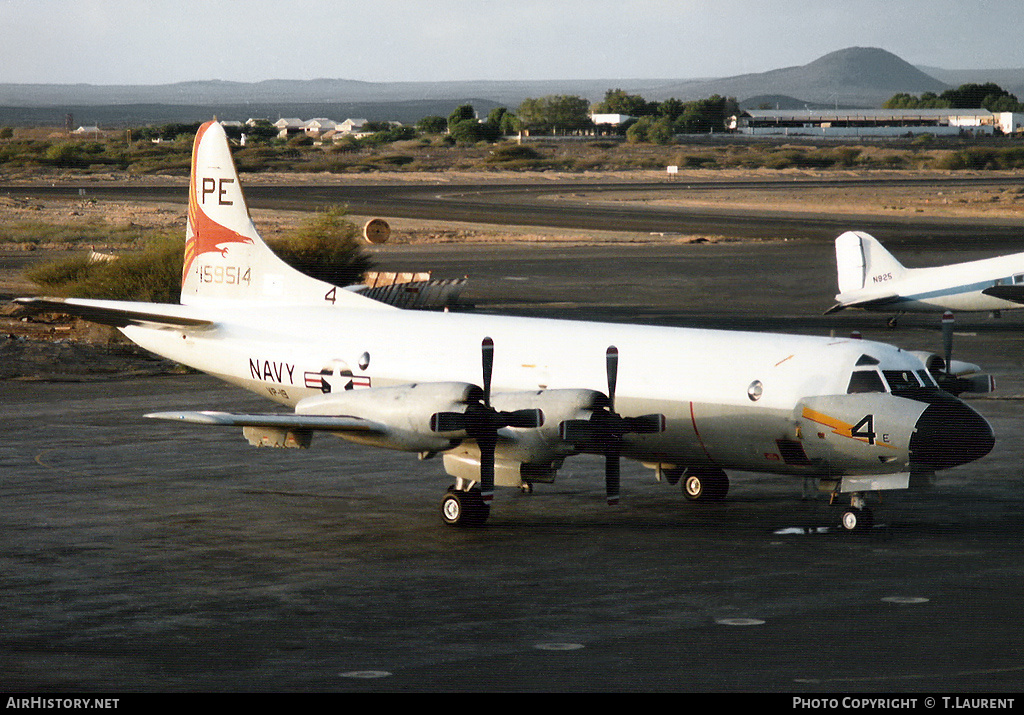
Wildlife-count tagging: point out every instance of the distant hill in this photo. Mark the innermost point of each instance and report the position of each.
(854, 77)
(117, 116)
(313, 91)
(1012, 80)
(780, 101)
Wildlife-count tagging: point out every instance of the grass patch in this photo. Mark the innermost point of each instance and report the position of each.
(327, 246)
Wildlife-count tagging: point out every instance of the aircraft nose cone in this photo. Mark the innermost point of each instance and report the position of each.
(948, 434)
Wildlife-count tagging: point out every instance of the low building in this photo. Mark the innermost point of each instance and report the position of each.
(1010, 122)
(319, 126)
(352, 126)
(864, 122)
(610, 120)
(289, 126)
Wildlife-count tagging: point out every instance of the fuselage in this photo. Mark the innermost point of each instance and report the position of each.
(744, 400)
(956, 287)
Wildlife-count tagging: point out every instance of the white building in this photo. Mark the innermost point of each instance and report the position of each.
(318, 126)
(1010, 122)
(352, 126)
(289, 125)
(611, 120)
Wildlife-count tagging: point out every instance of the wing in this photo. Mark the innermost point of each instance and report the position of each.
(1013, 293)
(280, 430)
(328, 423)
(118, 313)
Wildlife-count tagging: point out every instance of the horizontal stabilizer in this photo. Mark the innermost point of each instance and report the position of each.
(1007, 292)
(865, 304)
(330, 423)
(116, 313)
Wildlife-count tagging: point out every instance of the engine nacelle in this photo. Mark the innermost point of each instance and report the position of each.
(403, 412)
(527, 455)
(959, 377)
(544, 444)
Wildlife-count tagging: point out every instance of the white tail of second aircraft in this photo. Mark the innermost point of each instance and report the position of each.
(225, 259)
(863, 264)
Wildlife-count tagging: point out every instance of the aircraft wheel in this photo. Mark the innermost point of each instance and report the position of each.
(464, 508)
(855, 519)
(705, 487)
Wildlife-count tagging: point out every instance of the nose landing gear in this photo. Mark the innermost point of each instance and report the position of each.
(857, 516)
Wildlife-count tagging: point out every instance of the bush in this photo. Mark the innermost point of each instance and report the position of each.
(328, 247)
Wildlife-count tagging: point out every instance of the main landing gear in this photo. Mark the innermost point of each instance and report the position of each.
(464, 507)
(705, 484)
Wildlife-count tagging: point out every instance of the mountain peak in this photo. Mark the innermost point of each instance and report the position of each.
(852, 77)
(871, 67)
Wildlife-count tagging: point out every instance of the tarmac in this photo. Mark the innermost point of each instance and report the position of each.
(142, 556)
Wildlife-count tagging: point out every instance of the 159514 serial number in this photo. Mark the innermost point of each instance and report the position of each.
(226, 275)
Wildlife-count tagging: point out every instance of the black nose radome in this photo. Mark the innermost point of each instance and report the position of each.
(948, 434)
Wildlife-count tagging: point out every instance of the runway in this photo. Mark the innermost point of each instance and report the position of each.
(145, 556)
(529, 204)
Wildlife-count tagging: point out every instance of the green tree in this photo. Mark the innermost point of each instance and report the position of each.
(651, 130)
(618, 101)
(461, 114)
(706, 115)
(672, 108)
(432, 124)
(554, 112)
(973, 96)
(928, 100)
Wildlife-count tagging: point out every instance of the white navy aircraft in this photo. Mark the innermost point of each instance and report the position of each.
(872, 279)
(505, 400)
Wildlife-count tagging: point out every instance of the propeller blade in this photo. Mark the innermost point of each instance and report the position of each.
(448, 421)
(487, 445)
(487, 354)
(611, 363)
(576, 432)
(646, 424)
(947, 339)
(524, 419)
(611, 476)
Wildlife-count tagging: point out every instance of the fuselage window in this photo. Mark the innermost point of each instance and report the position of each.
(865, 381)
(901, 379)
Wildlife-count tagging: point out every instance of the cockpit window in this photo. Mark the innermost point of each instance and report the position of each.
(865, 381)
(901, 379)
(866, 360)
(926, 378)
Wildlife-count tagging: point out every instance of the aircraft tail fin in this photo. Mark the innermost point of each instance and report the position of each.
(225, 258)
(862, 262)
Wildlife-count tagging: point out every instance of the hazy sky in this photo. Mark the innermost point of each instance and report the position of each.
(159, 41)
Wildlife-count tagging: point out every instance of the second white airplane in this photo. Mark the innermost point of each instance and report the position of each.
(871, 278)
(505, 400)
